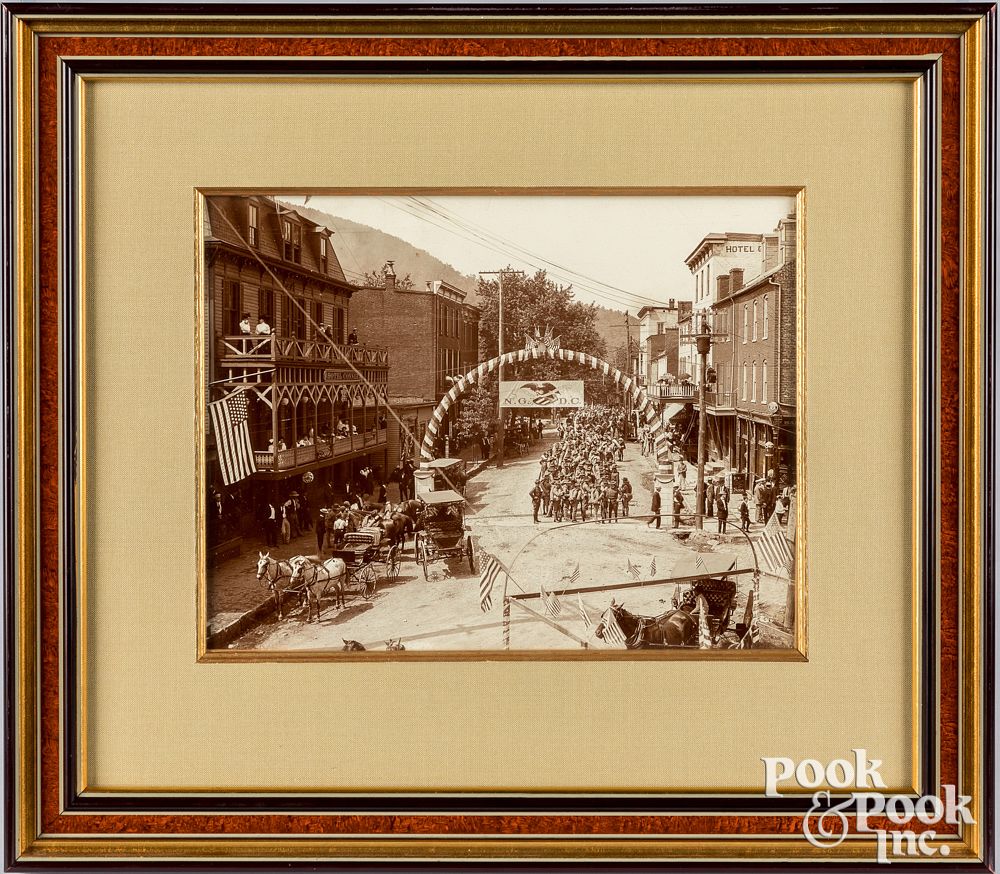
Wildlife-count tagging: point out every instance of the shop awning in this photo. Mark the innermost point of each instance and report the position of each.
(671, 410)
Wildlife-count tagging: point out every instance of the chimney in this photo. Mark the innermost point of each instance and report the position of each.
(670, 304)
(735, 279)
(722, 284)
(390, 276)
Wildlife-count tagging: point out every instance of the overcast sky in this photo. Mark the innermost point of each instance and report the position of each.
(621, 252)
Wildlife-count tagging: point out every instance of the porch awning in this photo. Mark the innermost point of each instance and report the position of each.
(671, 410)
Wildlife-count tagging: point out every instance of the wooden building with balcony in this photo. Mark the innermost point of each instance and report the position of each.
(317, 404)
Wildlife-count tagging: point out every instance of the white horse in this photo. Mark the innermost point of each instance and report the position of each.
(315, 579)
(273, 572)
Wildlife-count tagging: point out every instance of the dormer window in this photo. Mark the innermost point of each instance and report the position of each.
(291, 241)
(253, 236)
(324, 258)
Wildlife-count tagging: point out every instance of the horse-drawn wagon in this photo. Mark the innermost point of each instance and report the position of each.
(706, 592)
(445, 534)
(449, 474)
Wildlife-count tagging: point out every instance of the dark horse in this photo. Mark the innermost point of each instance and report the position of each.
(413, 513)
(673, 628)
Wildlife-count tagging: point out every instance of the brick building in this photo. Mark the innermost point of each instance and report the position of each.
(317, 405)
(658, 341)
(751, 405)
(434, 335)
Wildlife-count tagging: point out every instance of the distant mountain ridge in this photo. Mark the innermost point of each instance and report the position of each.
(364, 249)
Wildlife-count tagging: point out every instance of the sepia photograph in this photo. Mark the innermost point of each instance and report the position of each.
(506, 424)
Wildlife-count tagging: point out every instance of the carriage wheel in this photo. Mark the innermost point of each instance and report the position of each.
(392, 563)
(368, 580)
(417, 539)
(469, 552)
(424, 558)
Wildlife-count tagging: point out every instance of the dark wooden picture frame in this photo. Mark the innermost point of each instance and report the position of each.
(950, 49)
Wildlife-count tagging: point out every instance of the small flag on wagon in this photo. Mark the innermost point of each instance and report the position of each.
(774, 551)
(632, 570)
(704, 631)
(583, 613)
(491, 570)
(232, 436)
(613, 633)
(550, 602)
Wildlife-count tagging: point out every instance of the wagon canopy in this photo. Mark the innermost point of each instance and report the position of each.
(444, 463)
(445, 496)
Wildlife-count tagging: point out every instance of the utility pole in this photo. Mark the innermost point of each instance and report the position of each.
(704, 343)
(501, 425)
(628, 367)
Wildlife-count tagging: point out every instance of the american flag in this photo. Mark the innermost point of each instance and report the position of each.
(613, 633)
(574, 577)
(632, 570)
(652, 567)
(491, 569)
(550, 601)
(774, 550)
(232, 436)
(583, 613)
(699, 562)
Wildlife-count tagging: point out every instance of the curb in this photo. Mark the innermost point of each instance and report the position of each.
(226, 635)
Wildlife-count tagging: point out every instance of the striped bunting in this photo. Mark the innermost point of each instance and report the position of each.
(773, 548)
(642, 403)
(491, 569)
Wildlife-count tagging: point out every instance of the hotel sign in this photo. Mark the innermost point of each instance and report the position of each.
(331, 375)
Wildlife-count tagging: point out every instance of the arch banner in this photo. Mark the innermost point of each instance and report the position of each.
(641, 402)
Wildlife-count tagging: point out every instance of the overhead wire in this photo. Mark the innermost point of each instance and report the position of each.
(470, 235)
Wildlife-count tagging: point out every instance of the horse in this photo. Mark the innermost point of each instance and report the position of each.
(673, 628)
(314, 579)
(271, 572)
(352, 646)
(394, 645)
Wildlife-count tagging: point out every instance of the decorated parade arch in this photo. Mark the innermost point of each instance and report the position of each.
(643, 405)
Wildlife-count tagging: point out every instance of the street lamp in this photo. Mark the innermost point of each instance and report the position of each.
(768, 456)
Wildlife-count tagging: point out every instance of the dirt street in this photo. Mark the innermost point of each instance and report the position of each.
(443, 611)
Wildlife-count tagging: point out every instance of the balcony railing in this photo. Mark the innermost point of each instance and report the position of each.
(675, 392)
(300, 456)
(253, 349)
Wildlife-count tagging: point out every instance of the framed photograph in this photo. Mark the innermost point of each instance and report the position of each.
(483, 436)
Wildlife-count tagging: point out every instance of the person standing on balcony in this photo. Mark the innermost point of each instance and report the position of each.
(245, 324)
(352, 338)
(263, 327)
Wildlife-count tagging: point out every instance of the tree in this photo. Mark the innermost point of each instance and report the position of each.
(477, 411)
(531, 302)
(377, 280)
